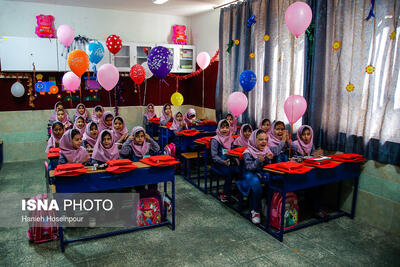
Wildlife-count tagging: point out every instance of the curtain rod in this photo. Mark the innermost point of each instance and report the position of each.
(231, 2)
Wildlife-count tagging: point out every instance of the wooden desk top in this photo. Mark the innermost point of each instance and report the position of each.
(199, 143)
(281, 172)
(90, 171)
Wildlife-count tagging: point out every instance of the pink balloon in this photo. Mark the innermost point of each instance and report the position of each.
(295, 106)
(65, 34)
(203, 60)
(108, 76)
(71, 81)
(237, 103)
(298, 17)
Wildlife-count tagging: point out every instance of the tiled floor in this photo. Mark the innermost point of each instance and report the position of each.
(207, 234)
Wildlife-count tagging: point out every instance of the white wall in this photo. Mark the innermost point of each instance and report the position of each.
(19, 19)
(205, 31)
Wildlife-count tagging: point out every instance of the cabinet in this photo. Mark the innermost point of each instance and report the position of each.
(19, 54)
(140, 52)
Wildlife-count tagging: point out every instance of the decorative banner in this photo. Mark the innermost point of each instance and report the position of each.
(138, 74)
(298, 17)
(108, 76)
(78, 62)
(295, 106)
(114, 43)
(176, 99)
(17, 89)
(237, 103)
(45, 26)
(65, 34)
(248, 80)
(160, 61)
(96, 52)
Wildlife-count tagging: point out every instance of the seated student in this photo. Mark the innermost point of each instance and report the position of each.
(178, 124)
(304, 145)
(138, 145)
(232, 123)
(219, 144)
(63, 118)
(90, 135)
(105, 149)
(255, 157)
(277, 140)
(190, 116)
(71, 148)
(106, 122)
(80, 125)
(53, 116)
(120, 131)
(265, 125)
(243, 139)
(148, 114)
(57, 131)
(166, 115)
(97, 114)
(82, 111)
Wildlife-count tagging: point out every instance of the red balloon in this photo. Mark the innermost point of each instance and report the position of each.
(114, 43)
(138, 74)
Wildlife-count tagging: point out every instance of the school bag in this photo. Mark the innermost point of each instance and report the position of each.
(170, 150)
(42, 231)
(291, 211)
(149, 208)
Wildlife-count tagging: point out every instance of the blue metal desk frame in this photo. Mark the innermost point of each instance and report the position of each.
(102, 181)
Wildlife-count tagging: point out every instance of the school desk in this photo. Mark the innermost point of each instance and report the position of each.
(284, 183)
(101, 180)
(183, 142)
(206, 128)
(202, 152)
(152, 129)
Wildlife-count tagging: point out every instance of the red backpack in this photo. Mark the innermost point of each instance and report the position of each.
(42, 231)
(291, 211)
(149, 211)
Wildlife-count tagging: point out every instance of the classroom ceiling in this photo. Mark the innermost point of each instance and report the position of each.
(172, 7)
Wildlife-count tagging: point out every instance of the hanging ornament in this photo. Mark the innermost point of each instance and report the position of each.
(252, 55)
(370, 69)
(59, 96)
(392, 36)
(266, 78)
(266, 37)
(279, 59)
(230, 44)
(350, 87)
(251, 21)
(237, 42)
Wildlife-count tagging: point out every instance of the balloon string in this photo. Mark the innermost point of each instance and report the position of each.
(109, 98)
(145, 91)
(115, 101)
(290, 139)
(177, 84)
(203, 91)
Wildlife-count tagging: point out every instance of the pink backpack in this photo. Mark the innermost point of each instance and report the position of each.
(291, 211)
(170, 150)
(42, 231)
(149, 211)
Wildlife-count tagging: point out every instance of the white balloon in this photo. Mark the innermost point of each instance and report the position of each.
(17, 89)
(148, 71)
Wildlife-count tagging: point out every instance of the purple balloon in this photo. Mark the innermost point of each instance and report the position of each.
(160, 61)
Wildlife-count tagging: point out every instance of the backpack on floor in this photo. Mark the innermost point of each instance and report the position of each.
(291, 211)
(42, 231)
(149, 211)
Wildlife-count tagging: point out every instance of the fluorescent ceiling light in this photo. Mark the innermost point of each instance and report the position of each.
(159, 2)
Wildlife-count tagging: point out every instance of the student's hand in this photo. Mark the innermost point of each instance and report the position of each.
(86, 158)
(226, 162)
(318, 152)
(270, 156)
(147, 137)
(285, 136)
(261, 158)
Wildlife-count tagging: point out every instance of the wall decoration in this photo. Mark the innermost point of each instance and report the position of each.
(266, 37)
(179, 36)
(251, 21)
(237, 42)
(49, 87)
(160, 61)
(350, 87)
(298, 17)
(45, 26)
(114, 43)
(247, 80)
(392, 36)
(336, 45)
(252, 55)
(266, 78)
(230, 44)
(65, 34)
(17, 89)
(370, 69)
(92, 84)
